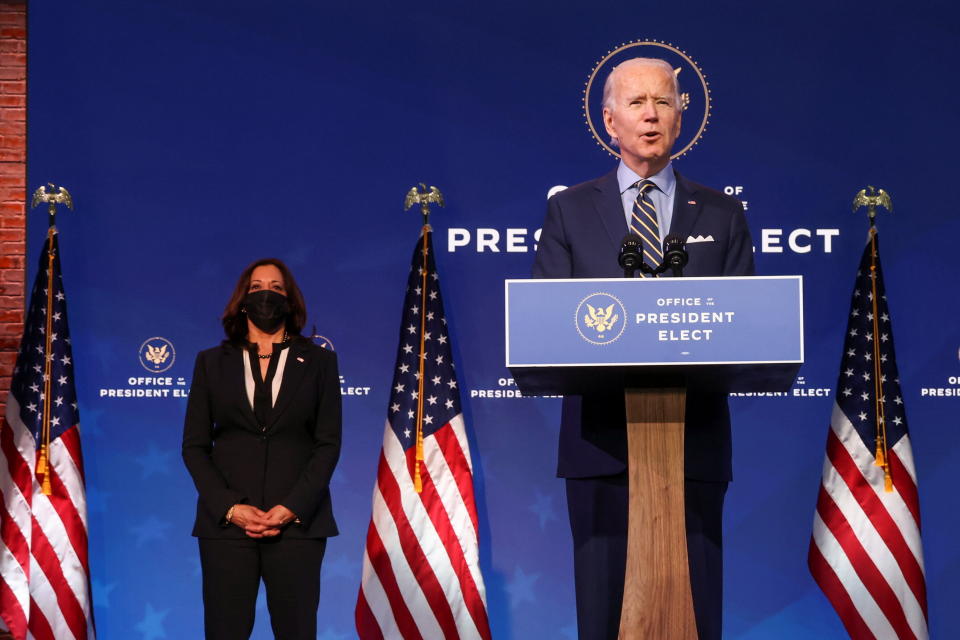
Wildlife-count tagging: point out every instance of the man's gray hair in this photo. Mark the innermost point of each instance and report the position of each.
(633, 62)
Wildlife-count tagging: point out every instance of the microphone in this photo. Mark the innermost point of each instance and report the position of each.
(674, 255)
(631, 254)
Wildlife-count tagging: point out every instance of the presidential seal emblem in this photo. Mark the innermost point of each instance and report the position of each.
(157, 354)
(694, 92)
(322, 341)
(600, 318)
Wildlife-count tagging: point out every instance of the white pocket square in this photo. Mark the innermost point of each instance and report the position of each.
(692, 239)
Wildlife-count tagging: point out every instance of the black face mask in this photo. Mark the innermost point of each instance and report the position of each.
(266, 309)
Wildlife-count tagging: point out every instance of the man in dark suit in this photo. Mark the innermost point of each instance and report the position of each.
(581, 238)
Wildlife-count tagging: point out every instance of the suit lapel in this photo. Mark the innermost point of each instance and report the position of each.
(233, 368)
(686, 208)
(293, 372)
(609, 208)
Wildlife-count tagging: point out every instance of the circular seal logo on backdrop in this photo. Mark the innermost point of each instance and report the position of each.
(600, 318)
(694, 91)
(157, 354)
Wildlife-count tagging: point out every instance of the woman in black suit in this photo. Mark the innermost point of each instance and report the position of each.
(261, 438)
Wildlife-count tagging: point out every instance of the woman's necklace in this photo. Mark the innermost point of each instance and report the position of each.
(267, 356)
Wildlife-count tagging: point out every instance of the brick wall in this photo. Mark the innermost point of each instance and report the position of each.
(13, 167)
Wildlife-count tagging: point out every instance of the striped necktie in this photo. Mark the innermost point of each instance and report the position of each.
(644, 223)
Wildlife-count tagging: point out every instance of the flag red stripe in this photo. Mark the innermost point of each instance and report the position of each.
(410, 545)
(441, 522)
(904, 485)
(831, 585)
(11, 611)
(17, 467)
(39, 626)
(875, 582)
(70, 517)
(71, 441)
(450, 446)
(16, 542)
(866, 496)
(367, 627)
(388, 580)
(49, 563)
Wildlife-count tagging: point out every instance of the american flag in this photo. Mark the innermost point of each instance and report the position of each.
(44, 572)
(865, 552)
(421, 574)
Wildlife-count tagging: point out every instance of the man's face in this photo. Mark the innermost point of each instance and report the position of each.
(644, 117)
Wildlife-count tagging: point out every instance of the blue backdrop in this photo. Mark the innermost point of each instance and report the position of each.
(197, 136)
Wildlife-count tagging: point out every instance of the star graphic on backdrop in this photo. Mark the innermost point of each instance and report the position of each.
(97, 498)
(154, 461)
(152, 528)
(151, 626)
(543, 507)
(341, 566)
(101, 593)
(520, 586)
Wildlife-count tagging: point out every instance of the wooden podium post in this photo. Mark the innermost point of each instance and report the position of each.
(657, 600)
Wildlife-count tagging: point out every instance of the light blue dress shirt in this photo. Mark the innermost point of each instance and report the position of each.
(662, 197)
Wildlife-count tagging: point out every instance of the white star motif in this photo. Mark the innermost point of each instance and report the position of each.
(414, 309)
(395, 407)
(65, 360)
(433, 295)
(853, 332)
(404, 368)
(443, 320)
(884, 337)
(430, 315)
(435, 277)
(416, 374)
(56, 316)
(898, 400)
(436, 379)
(428, 419)
(62, 380)
(398, 388)
(883, 357)
(412, 329)
(407, 348)
(59, 401)
(449, 404)
(870, 337)
(863, 416)
(426, 336)
(59, 295)
(55, 422)
(414, 394)
(883, 377)
(443, 339)
(39, 349)
(869, 315)
(848, 372)
(406, 432)
(432, 399)
(898, 421)
(410, 414)
(34, 387)
(439, 359)
(32, 407)
(866, 376)
(885, 317)
(856, 293)
(865, 396)
(452, 384)
(848, 392)
(74, 405)
(418, 290)
(867, 356)
(855, 313)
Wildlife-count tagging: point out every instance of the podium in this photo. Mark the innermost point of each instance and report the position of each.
(655, 338)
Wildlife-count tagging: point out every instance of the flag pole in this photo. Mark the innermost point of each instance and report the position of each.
(871, 199)
(423, 197)
(52, 197)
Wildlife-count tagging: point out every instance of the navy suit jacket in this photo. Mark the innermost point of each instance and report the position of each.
(581, 238)
(288, 461)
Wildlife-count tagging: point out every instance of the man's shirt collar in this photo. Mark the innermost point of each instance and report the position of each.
(664, 179)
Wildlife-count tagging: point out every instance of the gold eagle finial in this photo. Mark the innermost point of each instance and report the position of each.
(423, 197)
(871, 199)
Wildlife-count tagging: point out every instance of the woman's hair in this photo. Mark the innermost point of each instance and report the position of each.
(234, 319)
